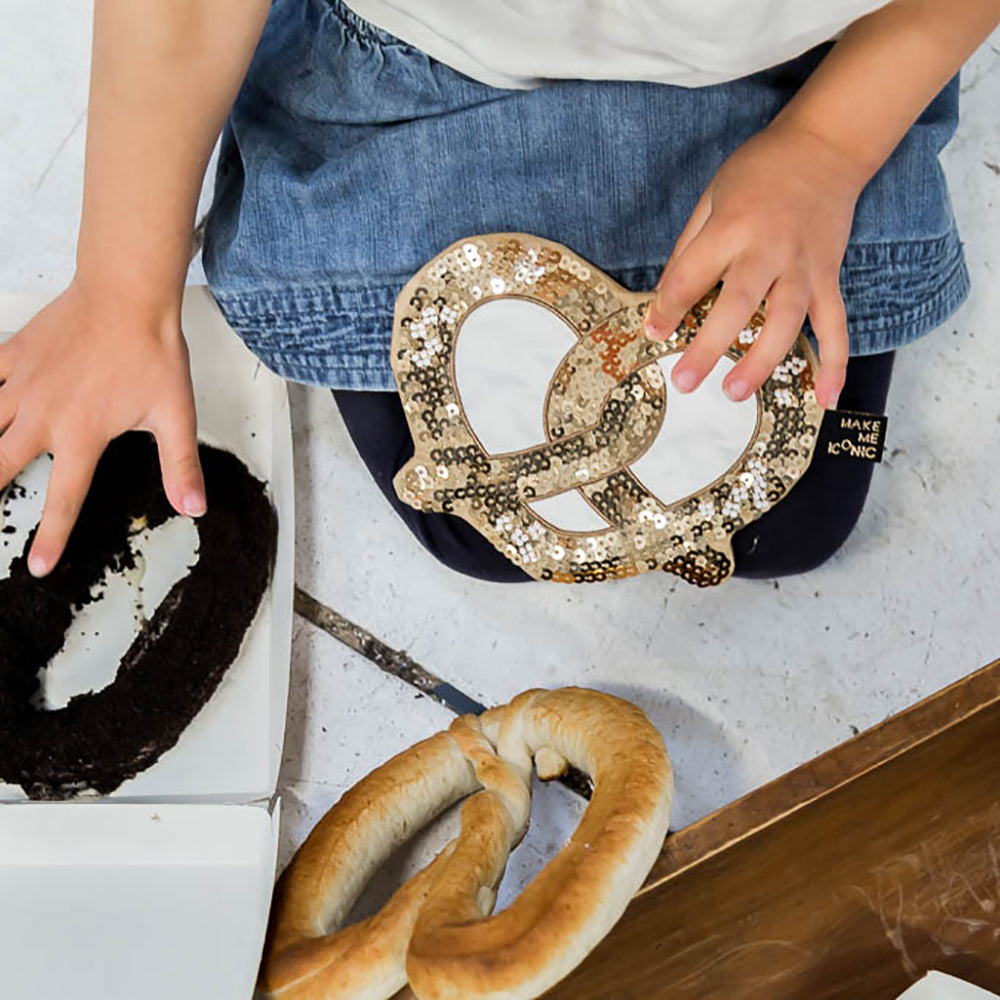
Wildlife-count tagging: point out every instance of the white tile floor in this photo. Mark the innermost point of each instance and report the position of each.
(745, 681)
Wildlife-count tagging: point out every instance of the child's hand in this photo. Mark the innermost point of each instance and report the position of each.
(773, 224)
(79, 374)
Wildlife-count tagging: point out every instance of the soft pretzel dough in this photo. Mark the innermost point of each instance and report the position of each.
(435, 932)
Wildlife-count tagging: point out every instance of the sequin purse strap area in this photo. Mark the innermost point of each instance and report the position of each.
(539, 414)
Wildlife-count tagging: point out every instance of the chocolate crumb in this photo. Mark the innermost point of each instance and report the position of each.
(174, 665)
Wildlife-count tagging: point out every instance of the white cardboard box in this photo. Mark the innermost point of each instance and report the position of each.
(938, 986)
(232, 750)
(145, 902)
(163, 889)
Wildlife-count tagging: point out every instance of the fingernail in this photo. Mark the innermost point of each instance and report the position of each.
(652, 330)
(194, 505)
(37, 566)
(831, 403)
(737, 390)
(684, 380)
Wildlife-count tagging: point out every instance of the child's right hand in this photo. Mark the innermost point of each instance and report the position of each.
(86, 369)
(108, 355)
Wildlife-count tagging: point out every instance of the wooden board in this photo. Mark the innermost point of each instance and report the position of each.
(847, 878)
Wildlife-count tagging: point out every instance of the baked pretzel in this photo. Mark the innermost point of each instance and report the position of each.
(436, 933)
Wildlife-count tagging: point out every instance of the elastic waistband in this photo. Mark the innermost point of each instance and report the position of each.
(360, 27)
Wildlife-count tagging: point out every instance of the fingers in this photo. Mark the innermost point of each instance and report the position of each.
(829, 323)
(786, 310)
(6, 360)
(72, 472)
(18, 449)
(8, 408)
(177, 439)
(684, 281)
(741, 295)
(699, 216)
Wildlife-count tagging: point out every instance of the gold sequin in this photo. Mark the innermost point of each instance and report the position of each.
(606, 404)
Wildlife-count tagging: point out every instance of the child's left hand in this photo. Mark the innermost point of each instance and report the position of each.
(773, 224)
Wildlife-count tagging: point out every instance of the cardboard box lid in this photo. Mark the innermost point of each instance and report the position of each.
(123, 901)
(232, 749)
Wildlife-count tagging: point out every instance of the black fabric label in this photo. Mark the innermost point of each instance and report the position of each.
(849, 434)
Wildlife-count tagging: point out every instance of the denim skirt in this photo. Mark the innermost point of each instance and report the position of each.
(351, 158)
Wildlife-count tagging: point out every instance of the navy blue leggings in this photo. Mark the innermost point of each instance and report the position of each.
(797, 535)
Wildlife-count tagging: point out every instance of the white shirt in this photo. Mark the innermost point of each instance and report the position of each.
(523, 43)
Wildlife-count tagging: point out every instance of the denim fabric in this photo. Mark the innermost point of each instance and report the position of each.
(352, 158)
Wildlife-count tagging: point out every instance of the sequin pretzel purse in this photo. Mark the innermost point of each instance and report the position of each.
(539, 413)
